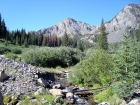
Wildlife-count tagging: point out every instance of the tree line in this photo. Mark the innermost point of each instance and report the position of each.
(23, 38)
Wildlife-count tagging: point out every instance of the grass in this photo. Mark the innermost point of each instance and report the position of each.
(44, 96)
(108, 96)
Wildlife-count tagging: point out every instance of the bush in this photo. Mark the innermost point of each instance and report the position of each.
(16, 50)
(4, 49)
(95, 71)
(10, 56)
(14, 101)
(52, 57)
(104, 95)
(108, 96)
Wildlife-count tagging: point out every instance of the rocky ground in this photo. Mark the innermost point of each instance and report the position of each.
(18, 78)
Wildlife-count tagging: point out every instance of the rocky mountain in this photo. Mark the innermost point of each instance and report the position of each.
(70, 25)
(127, 17)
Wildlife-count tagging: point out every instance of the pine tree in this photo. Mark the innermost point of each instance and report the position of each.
(44, 43)
(65, 39)
(80, 46)
(40, 39)
(4, 29)
(23, 36)
(127, 72)
(0, 26)
(102, 39)
(26, 42)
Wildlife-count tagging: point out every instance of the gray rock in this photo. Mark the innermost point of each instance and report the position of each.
(33, 100)
(19, 103)
(2, 75)
(69, 95)
(134, 102)
(40, 90)
(9, 103)
(55, 92)
(104, 103)
(43, 82)
(57, 86)
(44, 102)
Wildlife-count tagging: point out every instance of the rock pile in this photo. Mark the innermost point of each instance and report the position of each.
(22, 77)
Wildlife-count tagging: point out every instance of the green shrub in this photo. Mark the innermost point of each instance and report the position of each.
(4, 49)
(7, 99)
(96, 70)
(14, 101)
(16, 50)
(108, 96)
(10, 55)
(52, 57)
(127, 69)
(104, 95)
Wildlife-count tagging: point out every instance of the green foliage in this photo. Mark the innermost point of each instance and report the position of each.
(126, 74)
(104, 95)
(108, 95)
(4, 49)
(65, 39)
(7, 99)
(45, 96)
(14, 101)
(52, 57)
(96, 70)
(10, 55)
(102, 39)
(16, 50)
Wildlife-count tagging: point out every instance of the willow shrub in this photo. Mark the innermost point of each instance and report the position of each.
(52, 57)
(95, 71)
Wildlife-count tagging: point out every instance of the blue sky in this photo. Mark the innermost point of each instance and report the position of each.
(39, 14)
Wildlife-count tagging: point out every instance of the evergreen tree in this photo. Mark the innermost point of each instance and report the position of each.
(26, 42)
(0, 26)
(23, 36)
(4, 29)
(44, 43)
(80, 46)
(40, 39)
(102, 39)
(32, 38)
(65, 39)
(127, 72)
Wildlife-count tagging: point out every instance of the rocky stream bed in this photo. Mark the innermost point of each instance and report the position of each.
(18, 78)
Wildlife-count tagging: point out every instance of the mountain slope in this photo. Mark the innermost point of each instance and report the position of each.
(72, 27)
(127, 17)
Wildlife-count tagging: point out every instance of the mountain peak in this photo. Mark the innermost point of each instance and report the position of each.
(127, 17)
(69, 20)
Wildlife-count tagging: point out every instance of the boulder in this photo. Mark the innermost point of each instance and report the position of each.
(2, 75)
(33, 100)
(43, 82)
(40, 90)
(55, 92)
(44, 102)
(134, 102)
(57, 86)
(104, 103)
(69, 95)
